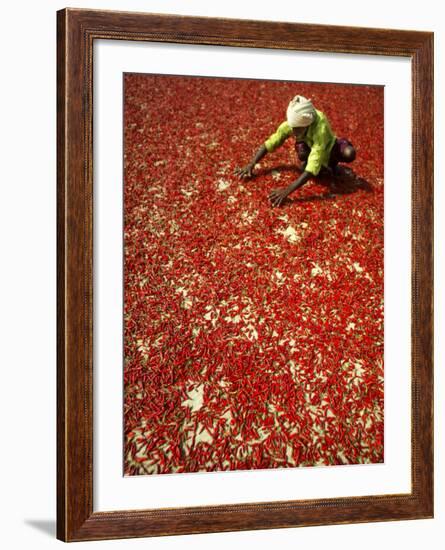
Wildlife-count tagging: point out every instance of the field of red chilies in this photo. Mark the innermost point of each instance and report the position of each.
(253, 335)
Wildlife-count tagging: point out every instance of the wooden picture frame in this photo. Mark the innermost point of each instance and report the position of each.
(77, 31)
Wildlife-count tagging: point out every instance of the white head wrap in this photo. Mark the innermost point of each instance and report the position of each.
(300, 112)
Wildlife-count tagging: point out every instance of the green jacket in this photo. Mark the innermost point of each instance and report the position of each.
(318, 136)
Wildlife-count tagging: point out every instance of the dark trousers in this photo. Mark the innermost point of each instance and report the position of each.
(303, 150)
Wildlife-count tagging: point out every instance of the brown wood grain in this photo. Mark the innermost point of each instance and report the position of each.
(76, 32)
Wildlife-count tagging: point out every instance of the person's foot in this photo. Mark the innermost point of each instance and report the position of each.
(326, 171)
(340, 171)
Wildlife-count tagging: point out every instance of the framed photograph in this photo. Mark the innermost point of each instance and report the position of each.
(245, 228)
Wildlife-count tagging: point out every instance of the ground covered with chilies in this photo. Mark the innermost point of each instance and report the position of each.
(253, 335)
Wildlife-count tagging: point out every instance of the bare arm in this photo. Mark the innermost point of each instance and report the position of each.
(277, 196)
(247, 171)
